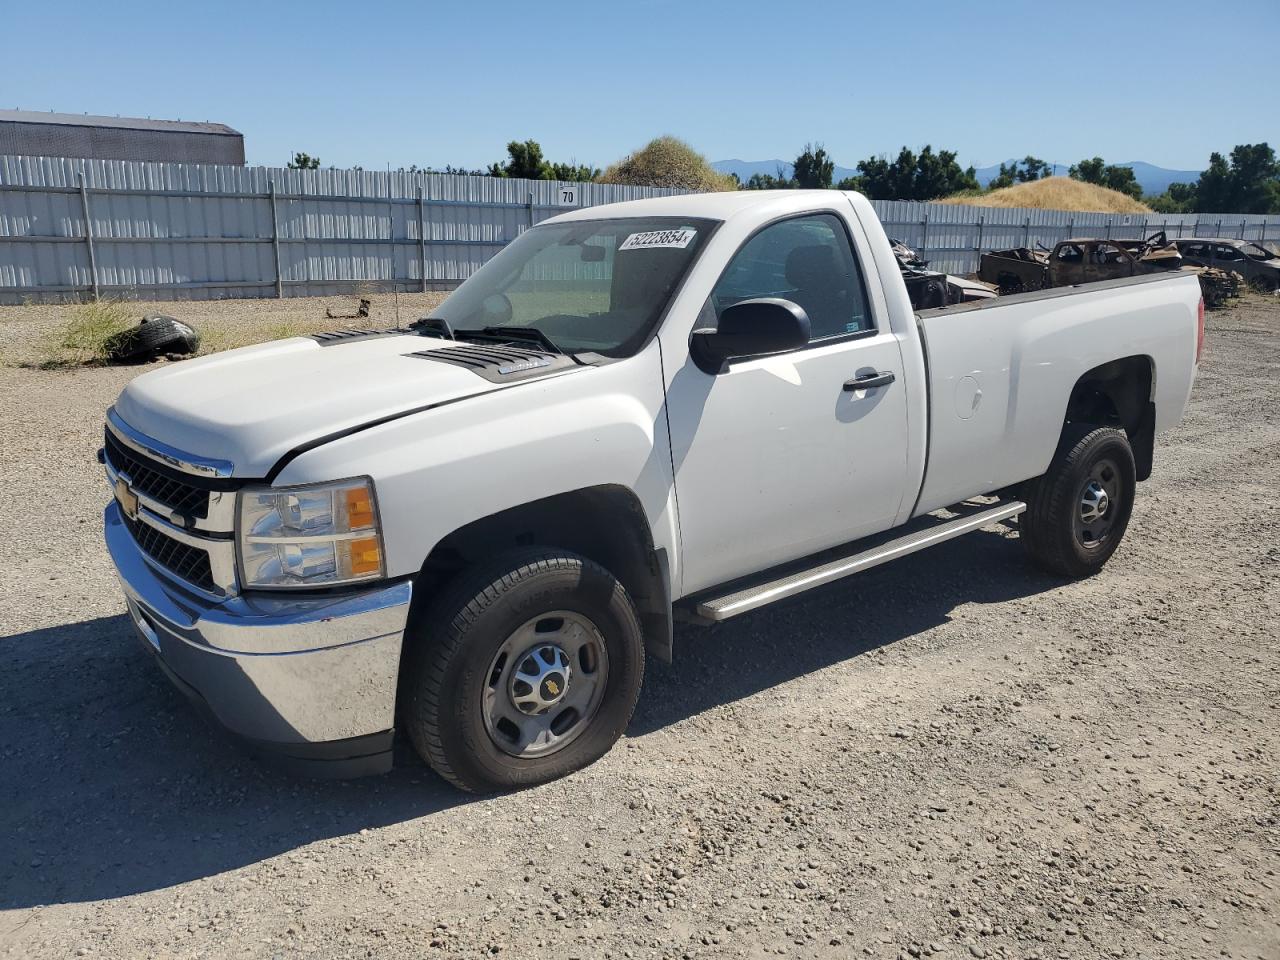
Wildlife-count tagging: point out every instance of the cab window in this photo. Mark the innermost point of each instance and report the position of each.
(808, 261)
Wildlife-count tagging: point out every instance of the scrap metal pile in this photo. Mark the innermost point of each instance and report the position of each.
(1090, 259)
(928, 288)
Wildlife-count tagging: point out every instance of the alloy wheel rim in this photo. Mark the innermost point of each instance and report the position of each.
(545, 684)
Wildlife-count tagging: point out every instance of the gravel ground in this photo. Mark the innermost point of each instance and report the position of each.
(26, 332)
(951, 756)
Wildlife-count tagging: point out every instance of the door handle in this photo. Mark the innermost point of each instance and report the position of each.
(868, 380)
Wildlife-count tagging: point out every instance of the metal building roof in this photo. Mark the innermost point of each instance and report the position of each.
(125, 123)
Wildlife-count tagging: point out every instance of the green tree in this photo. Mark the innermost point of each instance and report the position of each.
(1020, 171)
(1032, 168)
(813, 169)
(1248, 182)
(526, 162)
(304, 161)
(579, 172)
(1005, 178)
(769, 181)
(1099, 172)
(923, 176)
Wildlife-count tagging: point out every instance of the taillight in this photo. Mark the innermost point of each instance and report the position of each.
(1199, 329)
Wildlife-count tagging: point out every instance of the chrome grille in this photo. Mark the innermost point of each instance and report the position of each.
(179, 508)
(184, 561)
(181, 496)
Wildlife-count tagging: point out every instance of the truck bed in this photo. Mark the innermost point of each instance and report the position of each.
(1000, 372)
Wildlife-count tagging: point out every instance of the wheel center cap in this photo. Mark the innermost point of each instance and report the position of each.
(540, 680)
(1094, 503)
(552, 687)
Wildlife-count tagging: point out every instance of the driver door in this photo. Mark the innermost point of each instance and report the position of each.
(781, 456)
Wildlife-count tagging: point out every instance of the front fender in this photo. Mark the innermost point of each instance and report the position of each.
(444, 468)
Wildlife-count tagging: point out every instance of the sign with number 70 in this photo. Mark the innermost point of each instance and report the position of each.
(568, 195)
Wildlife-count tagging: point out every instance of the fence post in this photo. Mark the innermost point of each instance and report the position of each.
(422, 240)
(1241, 237)
(1108, 228)
(530, 208)
(391, 239)
(1218, 232)
(88, 235)
(275, 239)
(982, 222)
(1026, 233)
(1262, 236)
(924, 233)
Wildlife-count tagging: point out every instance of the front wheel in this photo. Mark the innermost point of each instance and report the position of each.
(1078, 511)
(527, 670)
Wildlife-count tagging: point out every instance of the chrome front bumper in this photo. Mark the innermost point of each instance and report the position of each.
(309, 678)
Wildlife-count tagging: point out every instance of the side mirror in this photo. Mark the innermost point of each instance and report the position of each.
(751, 328)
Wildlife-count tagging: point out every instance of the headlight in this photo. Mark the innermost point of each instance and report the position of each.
(320, 535)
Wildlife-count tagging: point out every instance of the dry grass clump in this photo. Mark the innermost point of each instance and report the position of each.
(1055, 193)
(82, 338)
(667, 162)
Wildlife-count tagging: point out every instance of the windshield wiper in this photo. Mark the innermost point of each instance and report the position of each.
(436, 325)
(509, 334)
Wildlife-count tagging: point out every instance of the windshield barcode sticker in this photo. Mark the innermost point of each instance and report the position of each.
(677, 239)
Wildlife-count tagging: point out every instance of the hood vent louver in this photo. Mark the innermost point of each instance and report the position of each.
(350, 336)
(499, 363)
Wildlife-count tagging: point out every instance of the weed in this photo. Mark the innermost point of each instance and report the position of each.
(82, 339)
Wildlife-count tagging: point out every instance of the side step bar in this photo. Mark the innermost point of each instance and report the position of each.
(762, 594)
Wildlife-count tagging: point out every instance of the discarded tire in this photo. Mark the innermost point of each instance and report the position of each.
(154, 336)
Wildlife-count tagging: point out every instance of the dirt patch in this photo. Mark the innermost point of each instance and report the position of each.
(950, 756)
(29, 334)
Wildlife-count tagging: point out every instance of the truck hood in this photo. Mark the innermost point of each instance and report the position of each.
(253, 405)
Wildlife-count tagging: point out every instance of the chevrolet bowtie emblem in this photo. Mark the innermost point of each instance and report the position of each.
(127, 499)
(552, 688)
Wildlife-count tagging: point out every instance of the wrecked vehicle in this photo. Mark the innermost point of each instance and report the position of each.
(1259, 267)
(928, 289)
(1078, 260)
(1089, 260)
(1015, 271)
(1086, 260)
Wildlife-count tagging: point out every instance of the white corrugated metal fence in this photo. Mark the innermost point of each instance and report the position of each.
(77, 228)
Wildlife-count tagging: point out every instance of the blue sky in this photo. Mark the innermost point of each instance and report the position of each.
(434, 83)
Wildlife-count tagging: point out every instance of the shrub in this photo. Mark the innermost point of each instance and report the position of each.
(668, 162)
(83, 338)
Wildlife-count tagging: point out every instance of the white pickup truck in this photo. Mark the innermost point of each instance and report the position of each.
(685, 407)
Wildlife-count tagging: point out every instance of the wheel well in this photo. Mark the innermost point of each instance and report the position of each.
(606, 524)
(1118, 393)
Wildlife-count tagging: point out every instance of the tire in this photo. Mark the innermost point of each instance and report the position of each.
(1068, 529)
(462, 687)
(153, 336)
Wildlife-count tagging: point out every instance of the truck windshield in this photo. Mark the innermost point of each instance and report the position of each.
(588, 286)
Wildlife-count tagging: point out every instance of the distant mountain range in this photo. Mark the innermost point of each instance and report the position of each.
(1153, 179)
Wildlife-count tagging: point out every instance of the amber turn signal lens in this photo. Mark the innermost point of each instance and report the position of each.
(359, 508)
(366, 556)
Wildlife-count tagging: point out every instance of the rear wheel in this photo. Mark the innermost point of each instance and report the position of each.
(527, 670)
(1078, 511)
